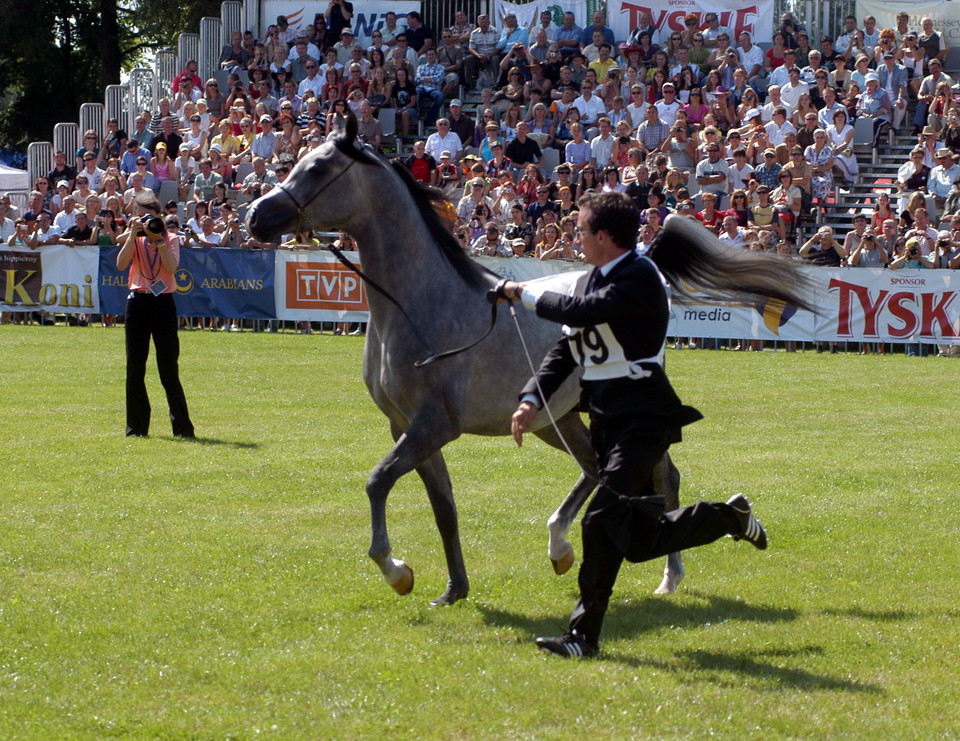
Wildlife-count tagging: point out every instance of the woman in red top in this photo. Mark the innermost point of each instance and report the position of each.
(709, 216)
(739, 207)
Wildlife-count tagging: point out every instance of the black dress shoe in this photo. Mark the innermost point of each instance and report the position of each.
(569, 645)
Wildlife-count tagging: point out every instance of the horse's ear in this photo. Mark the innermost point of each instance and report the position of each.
(352, 127)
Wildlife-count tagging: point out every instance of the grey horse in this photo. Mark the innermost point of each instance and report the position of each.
(406, 247)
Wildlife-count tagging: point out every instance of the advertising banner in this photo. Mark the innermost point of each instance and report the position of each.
(753, 16)
(856, 304)
(528, 14)
(58, 278)
(230, 283)
(945, 15)
(368, 16)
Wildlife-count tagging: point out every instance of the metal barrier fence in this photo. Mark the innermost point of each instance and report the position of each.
(231, 19)
(66, 137)
(188, 47)
(40, 160)
(440, 15)
(91, 117)
(116, 104)
(142, 93)
(209, 47)
(165, 70)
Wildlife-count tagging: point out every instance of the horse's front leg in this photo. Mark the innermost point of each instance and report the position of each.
(666, 480)
(433, 471)
(412, 447)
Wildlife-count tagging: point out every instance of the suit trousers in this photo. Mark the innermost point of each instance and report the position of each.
(626, 519)
(153, 316)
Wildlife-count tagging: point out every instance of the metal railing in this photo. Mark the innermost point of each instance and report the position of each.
(188, 47)
(66, 137)
(40, 160)
(209, 47)
(231, 19)
(116, 104)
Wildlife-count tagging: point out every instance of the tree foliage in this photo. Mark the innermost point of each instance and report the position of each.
(56, 55)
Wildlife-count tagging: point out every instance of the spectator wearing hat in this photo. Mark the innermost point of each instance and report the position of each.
(912, 258)
(766, 173)
(344, 47)
(942, 177)
(474, 195)
(893, 77)
(874, 103)
(928, 90)
(460, 124)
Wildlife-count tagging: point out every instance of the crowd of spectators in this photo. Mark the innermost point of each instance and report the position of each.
(699, 122)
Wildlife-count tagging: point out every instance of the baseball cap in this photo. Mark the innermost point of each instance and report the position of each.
(456, 102)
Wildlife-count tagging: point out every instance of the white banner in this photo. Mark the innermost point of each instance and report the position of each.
(66, 281)
(753, 16)
(528, 14)
(945, 15)
(368, 16)
(853, 304)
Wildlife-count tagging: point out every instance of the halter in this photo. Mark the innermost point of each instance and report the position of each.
(431, 355)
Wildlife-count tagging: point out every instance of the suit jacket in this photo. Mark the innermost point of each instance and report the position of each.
(615, 327)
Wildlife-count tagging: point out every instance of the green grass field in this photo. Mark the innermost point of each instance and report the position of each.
(169, 589)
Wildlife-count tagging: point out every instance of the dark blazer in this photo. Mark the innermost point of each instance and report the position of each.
(622, 315)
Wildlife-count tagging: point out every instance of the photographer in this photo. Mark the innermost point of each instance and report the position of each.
(152, 255)
(911, 259)
(822, 249)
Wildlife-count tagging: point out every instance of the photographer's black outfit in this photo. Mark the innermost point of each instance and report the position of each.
(151, 312)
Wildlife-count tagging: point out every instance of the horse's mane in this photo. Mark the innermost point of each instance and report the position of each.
(429, 202)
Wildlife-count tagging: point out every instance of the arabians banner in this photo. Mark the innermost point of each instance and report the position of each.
(753, 16)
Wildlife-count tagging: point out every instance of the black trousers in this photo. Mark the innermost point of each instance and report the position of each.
(153, 316)
(626, 520)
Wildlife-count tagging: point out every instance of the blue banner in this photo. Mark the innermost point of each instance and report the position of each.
(232, 283)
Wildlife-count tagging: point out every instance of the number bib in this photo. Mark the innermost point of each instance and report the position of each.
(602, 356)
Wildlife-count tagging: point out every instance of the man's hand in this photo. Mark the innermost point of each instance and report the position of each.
(521, 420)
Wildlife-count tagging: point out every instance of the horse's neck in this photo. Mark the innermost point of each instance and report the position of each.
(399, 253)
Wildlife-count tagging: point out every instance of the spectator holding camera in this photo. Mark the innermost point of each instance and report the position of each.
(822, 249)
(911, 259)
(152, 255)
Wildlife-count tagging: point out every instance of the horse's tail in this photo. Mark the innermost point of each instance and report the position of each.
(691, 258)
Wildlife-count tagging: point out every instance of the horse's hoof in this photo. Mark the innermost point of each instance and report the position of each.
(669, 584)
(404, 585)
(562, 565)
(451, 595)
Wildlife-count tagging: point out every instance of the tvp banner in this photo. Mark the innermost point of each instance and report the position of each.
(315, 286)
(59, 278)
(368, 15)
(753, 16)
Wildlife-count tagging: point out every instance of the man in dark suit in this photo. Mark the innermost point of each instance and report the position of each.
(615, 327)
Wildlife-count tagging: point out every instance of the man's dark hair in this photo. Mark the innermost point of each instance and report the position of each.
(616, 214)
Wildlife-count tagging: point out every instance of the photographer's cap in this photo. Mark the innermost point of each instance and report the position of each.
(913, 242)
(751, 114)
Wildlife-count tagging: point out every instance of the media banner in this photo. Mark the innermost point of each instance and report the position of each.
(58, 278)
(368, 15)
(231, 283)
(753, 16)
(852, 304)
(946, 16)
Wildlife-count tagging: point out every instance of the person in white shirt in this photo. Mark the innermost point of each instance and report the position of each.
(751, 59)
(791, 92)
(590, 106)
(444, 140)
(668, 105)
(779, 127)
(774, 100)
(67, 216)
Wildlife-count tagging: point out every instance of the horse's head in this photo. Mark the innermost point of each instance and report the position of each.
(318, 193)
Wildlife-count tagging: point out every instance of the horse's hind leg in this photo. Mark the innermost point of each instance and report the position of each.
(666, 480)
(577, 437)
(433, 471)
(410, 451)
